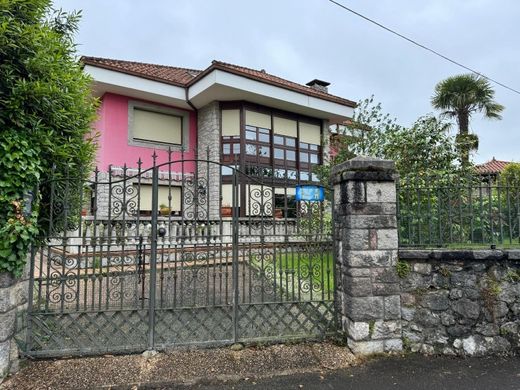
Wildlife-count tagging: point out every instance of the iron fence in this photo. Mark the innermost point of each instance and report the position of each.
(456, 211)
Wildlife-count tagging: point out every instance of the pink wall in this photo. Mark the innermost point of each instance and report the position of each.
(112, 126)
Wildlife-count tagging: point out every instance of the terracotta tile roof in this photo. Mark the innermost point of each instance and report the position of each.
(262, 75)
(492, 166)
(184, 77)
(166, 74)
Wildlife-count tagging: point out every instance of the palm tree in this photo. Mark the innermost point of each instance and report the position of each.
(461, 96)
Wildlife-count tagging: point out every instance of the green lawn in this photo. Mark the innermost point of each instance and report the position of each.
(296, 272)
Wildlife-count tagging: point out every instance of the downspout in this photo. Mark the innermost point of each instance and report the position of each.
(189, 101)
(196, 115)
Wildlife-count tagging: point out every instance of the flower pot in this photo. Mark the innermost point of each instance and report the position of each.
(165, 211)
(226, 211)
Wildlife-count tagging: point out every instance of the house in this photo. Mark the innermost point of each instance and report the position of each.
(243, 118)
(492, 167)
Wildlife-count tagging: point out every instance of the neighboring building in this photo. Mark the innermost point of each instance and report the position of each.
(492, 167)
(226, 113)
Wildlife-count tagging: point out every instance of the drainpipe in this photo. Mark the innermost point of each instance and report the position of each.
(196, 113)
(189, 101)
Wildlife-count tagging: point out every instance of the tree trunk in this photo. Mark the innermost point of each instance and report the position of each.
(462, 144)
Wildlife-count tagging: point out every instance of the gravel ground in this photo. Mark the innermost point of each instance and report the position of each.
(187, 367)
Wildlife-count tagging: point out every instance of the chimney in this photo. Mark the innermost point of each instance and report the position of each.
(319, 85)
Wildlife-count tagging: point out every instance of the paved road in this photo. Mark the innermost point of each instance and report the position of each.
(411, 372)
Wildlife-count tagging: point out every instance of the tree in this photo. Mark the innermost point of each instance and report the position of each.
(460, 97)
(426, 148)
(46, 111)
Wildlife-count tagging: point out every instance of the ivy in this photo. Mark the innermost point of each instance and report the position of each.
(46, 111)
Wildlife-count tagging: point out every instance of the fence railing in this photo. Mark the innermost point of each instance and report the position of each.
(459, 211)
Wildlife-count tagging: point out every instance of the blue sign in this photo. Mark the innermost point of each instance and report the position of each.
(310, 193)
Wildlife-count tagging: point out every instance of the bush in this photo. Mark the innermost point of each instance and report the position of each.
(46, 111)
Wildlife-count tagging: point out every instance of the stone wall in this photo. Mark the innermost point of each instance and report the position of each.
(209, 148)
(460, 302)
(13, 307)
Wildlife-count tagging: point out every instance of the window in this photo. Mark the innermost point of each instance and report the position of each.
(309, 156)
(230, 148)
(284, 150)
(258, 144)
(162, 127)
(145, 197)
(280, 145)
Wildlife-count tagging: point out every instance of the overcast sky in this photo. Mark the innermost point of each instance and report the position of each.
(305, 39)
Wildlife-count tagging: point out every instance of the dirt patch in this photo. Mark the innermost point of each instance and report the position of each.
(180, 367)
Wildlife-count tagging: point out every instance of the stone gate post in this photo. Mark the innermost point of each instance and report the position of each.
(366, 248)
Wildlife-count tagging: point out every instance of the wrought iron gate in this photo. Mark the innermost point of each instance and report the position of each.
(131, 273)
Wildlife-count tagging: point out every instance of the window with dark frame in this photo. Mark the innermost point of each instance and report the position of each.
(267, 154)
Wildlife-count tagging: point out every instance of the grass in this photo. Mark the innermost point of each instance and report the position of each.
(295, 271)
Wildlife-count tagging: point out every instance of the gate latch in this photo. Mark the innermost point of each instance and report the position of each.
(161, 232)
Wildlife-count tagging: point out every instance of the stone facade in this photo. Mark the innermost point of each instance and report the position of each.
(460, 302)
(209, 149)
(13, 307)
(365, 228)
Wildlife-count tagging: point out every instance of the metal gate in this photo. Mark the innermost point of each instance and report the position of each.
(138, 259)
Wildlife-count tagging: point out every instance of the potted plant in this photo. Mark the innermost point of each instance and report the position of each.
(226, 210)
(164, 210)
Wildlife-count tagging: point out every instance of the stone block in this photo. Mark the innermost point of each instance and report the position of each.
(370, 208)
(422, 268)
(487, 329)
(392, 307)
(366, 347)
(386, 289)
(435, 336)
(466, 308)
(447, 319)
(365, 164)
(367, 258)
(458, 330)
(384, 275)
(380, 192)
(7, 325)
(357, 272)
(371, 222)
(355, 192)
(407, 313)
(355, 239)
(426, 318)
(407, 299)
(427, 349)
(357, 330)
(5, 361)
(437, 300)
(386, 330)
(365, 308)
(393, 345)
(357, 287)
(455, 293)
(387, 239)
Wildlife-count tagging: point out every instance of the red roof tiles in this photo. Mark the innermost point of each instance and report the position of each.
(491, 167)
(166, 74)
(184, 77)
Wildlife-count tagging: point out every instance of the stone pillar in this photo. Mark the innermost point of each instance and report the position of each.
(13, 305)
(209, 146)
(366, 248)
